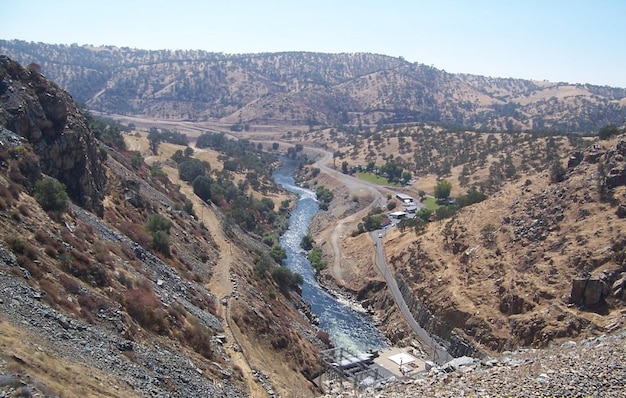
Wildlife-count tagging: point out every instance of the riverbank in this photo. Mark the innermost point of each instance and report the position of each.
(351, 272)
(347, 327)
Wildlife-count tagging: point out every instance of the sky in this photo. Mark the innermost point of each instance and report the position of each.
(557, 40)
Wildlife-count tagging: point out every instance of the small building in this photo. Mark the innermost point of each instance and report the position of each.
(411, 209)
(400, 362)
(398, 214)
(404, 198)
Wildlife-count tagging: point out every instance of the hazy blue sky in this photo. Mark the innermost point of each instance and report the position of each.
(571, 41)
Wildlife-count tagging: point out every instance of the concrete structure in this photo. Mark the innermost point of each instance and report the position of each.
(398, 214)
(411, 208)
(404, 198)
(400, 362)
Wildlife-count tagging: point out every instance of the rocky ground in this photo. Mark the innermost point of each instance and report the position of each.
(73, 341)
(594, 367)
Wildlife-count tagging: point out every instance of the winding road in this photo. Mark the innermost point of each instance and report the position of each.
(440, 355)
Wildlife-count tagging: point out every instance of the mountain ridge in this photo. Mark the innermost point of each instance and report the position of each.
(309, 88)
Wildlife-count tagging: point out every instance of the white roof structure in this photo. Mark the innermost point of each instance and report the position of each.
(402, 358)
(404, 197)
(397, 214)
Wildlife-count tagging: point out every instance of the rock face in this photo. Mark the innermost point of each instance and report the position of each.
(588, 291)
(47, 117)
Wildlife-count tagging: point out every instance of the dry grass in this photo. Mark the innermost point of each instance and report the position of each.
(52, 374)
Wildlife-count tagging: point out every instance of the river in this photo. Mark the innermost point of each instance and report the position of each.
(347, 327)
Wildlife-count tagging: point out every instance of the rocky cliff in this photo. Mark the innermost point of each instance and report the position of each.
(48, 119)
(540, 261)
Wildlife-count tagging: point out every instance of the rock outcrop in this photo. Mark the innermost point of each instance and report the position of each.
(47, 117)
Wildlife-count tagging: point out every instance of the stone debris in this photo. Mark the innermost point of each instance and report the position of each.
(594, 367)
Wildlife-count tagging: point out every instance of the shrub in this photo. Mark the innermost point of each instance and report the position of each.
(16, 244)
(316, 259)
(285, 278)
(142, 305)
(608, 131)
(70, 284)
(158, 226)
(199, 337)
(52, 292)
(137, 234)
(278, 254)
(161, 242)
(307, 242)
(50, 194)
(30, 266)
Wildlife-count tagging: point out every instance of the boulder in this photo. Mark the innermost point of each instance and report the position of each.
(621, 211)
(589, 291)
(575, 159)
(616, 177)
(512, 304)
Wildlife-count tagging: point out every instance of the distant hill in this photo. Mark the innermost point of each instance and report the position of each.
(313, 88)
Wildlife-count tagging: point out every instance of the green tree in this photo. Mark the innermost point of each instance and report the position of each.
(316, 258)
(136, 160)
(192, 168)
(50, 194)
(154, 139)
(178, 156)
(424, 214)
(157, 222)
(608, 131)
(344, 167)
(158, 227)
(285, 278)
(557, 171)
(278, 254)
(307, 242)
(202, 187)
(444, 212)
(263, 264)
(442, 189)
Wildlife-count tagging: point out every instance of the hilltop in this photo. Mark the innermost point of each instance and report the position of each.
(241, 91)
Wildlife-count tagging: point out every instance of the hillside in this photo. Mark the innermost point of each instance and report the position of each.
(299, 88)
(146, 295)
(516, 270)
(508, 272)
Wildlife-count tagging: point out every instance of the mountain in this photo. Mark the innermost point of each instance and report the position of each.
(301, 88)
(117, 280)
